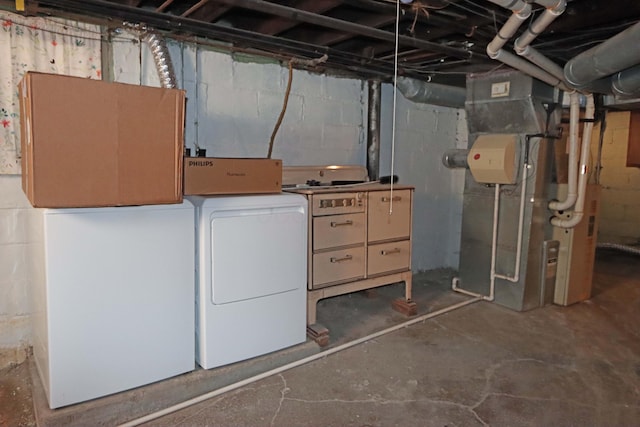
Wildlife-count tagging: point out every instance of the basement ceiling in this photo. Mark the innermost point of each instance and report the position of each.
(439, 40)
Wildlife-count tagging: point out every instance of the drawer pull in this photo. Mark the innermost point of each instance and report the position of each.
(339, 224)
(389, 199)
(390, 251)
(344, 258)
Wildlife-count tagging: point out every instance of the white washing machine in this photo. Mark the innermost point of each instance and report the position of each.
(251, 275)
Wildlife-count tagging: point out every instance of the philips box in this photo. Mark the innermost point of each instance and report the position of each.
(214, 175)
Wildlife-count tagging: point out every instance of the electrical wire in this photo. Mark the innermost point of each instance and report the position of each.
(282, 112)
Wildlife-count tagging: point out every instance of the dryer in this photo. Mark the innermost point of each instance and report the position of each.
(250, 276)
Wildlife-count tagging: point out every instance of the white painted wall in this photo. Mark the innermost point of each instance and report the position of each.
(232, 114)
(14, 301)
(423, 133)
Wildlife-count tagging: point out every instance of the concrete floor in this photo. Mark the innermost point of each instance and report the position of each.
(478, 365)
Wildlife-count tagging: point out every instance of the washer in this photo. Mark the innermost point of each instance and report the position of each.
(251, 275)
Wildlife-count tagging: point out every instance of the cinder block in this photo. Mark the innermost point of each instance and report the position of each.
(251, 76)
(11, 195)
(14, 331)
(618, 120)
(339, 137)
(342, 89)
(14, 298)
(270, 105)
(13, 262)
(321, 111)
(13, 225)
(353, 114)
(421, 119)
(614, 176)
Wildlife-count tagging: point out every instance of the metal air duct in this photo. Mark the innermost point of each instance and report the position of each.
(616, 54)
(432, 93)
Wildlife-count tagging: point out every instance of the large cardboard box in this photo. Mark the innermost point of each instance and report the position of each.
(214, 175)
(89, 143)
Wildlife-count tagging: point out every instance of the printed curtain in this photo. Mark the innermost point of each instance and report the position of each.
(38, 44)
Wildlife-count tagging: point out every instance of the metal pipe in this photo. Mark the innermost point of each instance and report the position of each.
(521, 12)
(341, 25)
(578, 211)
(619, 247)
(432, 93)
(616, 54)
(542, 61)
(373, 130)
(572, 194)
(101, 8)
(516, 271)
(289, 366)
(494, 242)
(529, 68)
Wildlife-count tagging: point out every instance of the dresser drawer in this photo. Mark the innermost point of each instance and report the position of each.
(338, 230)
(336, 266)
(385, 226)
(389, 257)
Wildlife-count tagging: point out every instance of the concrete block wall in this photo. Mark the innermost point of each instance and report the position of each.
(233, 103)
(423, 133)
(14, 302)
(620, 204)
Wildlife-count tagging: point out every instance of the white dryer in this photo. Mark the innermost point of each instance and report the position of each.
(251, 275)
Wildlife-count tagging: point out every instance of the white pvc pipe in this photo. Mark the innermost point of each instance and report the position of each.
(578, 211)
(454, 285)
(537, 68)
(508, 29)
(516, 270)
(272, 372)
(572, 194)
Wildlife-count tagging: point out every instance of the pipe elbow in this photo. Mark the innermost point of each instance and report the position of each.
(556, 205)
(519, 49)
(568, 223)
(493, 53)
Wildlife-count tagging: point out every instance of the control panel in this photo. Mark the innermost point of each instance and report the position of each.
(338, 203)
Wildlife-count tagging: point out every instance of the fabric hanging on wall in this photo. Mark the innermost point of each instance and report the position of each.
(38, 44)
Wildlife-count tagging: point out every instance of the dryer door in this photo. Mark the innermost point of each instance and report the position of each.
(257, 252)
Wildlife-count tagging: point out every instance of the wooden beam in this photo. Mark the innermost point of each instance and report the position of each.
(279, 24)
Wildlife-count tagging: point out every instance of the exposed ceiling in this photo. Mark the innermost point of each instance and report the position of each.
(439, 40)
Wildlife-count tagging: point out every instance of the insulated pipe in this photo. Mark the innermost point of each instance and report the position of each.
(616, 54)
(572, 194)
(284, 368)
(432, 93)
(373, 129)
(578, 211)
(516, 271)
(626, 82)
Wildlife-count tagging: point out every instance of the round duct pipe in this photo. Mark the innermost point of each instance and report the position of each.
(618, 53)
(456, 158)
(432, 93)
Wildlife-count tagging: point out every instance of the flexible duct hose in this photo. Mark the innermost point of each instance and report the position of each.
(160, 53)
(619, 247)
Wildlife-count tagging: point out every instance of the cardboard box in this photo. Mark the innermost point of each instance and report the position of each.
(213, 175)
(89, 143)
